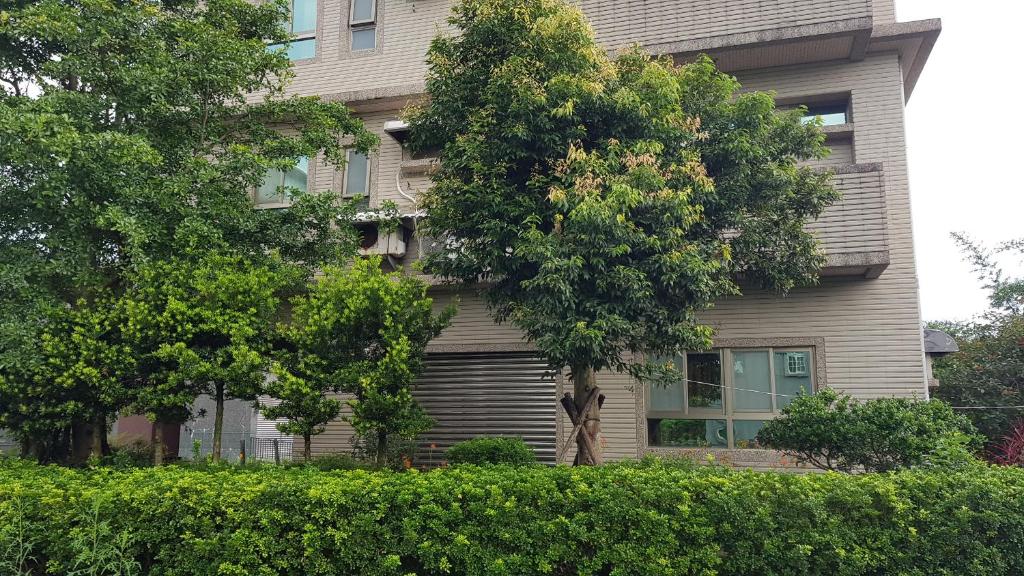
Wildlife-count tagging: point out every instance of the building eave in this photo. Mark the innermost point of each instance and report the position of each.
(913, 41)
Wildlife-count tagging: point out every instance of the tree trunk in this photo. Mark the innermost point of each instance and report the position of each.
(218, 421)
(81, 441)
(99, 431)
(158, 443)
(307, 447)
(584, 383)
(382, 448)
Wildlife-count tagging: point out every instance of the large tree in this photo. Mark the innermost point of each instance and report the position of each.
(602, 202)
(135, 130)
(987, 375)
(362, 332)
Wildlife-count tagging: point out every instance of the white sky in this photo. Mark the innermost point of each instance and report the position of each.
(964, 130)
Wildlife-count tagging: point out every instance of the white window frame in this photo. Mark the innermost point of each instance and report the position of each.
(728, 413)
(345, 195)
(286, 200)
(369, 24)
(352, 22)
(801, 370)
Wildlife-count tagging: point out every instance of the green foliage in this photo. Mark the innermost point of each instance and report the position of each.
(331, 462)
(491, 451)
(604, 201)
(989, 368)
(650, 519)
(134, 132)
(363, 332)
(81, 372)
(203, 328)
(834, 432)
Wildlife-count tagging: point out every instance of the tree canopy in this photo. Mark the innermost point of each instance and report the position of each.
(362, 332)
(135, 131)
(601, 202)
(988, 371)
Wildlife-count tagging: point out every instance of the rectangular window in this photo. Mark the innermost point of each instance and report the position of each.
(302, 26)
(725, 396)
(830, 114)
(279, 186)
(363, 24)
(357, 178)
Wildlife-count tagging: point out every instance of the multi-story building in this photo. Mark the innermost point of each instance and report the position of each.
(858, 331)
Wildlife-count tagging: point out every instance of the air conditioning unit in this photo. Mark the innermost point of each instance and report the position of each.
(390, 244)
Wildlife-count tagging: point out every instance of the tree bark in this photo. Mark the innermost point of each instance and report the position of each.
(158, 443)
(382, 448)
(218, 421)
(584, 384)
(81, 441)
(99, 430)
(307, 447)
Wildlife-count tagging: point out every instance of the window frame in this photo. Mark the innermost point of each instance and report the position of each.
(304, 35)
(729, 414)
(369, 25)
(286, 200)
(345, 195)
(353, 23)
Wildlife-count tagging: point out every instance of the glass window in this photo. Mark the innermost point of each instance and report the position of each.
(303, 16)
(364, 38)
(726, 407)
(302, 26)
(704, 381)
(688, 433)
(363, 11)
(357, 175)
(792, 376)
(278, 186)
(752, 381)
(830, 114)
(744, 433)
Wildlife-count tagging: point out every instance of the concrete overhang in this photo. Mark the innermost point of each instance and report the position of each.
(913, 41)
(785, 46)
(864, 264)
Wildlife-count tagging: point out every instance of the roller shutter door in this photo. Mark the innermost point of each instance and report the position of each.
(487, 394)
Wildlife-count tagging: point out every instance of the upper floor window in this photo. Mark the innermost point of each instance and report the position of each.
(279, 186)
(357, 178)
(726, 395)
(830, 114)
(363, 24)
(302, 26)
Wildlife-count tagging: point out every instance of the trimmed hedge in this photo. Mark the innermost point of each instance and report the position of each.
(493, 450)
(643, 519)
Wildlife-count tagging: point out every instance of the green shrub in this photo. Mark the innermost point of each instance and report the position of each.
(649, 519)
(329, 462)
(491, 450)
(835, 432)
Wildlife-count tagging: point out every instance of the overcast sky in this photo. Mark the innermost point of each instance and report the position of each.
(964, 129)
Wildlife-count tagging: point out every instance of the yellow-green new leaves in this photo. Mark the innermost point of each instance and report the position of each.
(203, 328)
(363, 332)
(604, 201)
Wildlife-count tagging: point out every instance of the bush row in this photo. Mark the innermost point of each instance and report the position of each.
(648, 518)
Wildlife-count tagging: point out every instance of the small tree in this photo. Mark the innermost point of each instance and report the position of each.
(363, 332)
(602, 203)
(206, 327)
(833, 431)
(76, 381)
(304, 402)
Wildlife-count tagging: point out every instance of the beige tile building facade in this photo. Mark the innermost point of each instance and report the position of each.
(859, 331)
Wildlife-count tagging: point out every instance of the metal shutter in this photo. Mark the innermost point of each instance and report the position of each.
(487, 394)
